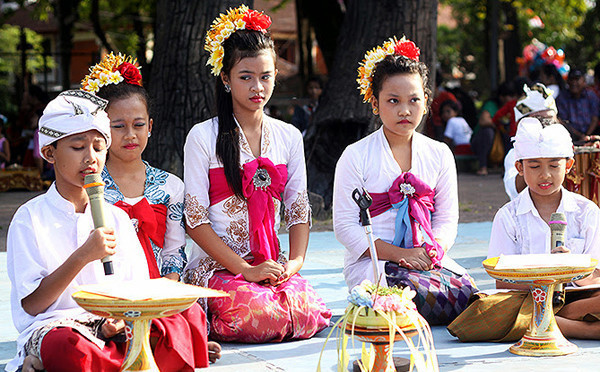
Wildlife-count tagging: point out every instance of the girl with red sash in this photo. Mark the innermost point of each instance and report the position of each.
(153, 199)
(412, 180)
(239, 168)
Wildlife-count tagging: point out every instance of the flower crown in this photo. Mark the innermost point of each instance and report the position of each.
(392, 47)
(240, 18)
(112, 70)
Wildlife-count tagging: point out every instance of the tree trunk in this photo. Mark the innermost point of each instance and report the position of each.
(182, 87)
(342, 118)
(325, 17)
(512, 42)
(66, 13)
(98, 30)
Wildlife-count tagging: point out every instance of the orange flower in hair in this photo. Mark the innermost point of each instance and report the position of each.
(113, 69)
(392, 47)
(240, 18)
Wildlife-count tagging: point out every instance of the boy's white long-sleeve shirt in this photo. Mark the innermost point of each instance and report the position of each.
(43, 233)
(519, 229)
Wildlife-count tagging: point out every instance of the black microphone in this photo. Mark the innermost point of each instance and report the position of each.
(94, 187)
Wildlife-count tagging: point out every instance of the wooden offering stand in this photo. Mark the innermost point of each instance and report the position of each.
(371, 327)
(129, 302)
(543, 338)
(380, 338)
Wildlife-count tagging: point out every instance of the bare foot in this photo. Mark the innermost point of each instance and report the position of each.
(214, 351)
(32, 364)
(482, 171)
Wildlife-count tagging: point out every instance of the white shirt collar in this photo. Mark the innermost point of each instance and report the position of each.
(525, 204)
(57, 200)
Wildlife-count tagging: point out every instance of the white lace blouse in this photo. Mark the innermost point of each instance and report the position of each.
(282, 144)
(369, 163)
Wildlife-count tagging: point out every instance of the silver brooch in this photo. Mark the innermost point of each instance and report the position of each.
(136, 224)
(407, 189)
(261, 179)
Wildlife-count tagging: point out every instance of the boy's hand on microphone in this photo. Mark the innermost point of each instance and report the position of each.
(561, 249)
(99, 244)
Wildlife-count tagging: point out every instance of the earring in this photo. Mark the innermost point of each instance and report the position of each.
(149, 134)
(375, 111)
(227, 88)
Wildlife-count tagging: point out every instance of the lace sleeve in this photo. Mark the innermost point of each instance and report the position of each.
(299, 211)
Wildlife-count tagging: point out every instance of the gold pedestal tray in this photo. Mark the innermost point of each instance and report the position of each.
(379, 337)
(138, 314)
(543, 338)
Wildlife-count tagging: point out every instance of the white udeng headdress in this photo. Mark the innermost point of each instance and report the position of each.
(72, 112)
(532, 141)
(536, 98)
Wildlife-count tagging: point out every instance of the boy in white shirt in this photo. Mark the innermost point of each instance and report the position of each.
(53, 247)
(544, 156)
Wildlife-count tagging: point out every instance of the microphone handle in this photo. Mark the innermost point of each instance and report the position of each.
(557, 239)
(96, 196)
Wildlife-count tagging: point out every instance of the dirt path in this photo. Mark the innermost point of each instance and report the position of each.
(479, 198)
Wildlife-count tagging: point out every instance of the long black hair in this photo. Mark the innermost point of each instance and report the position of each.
(394, 65)
(241, 44)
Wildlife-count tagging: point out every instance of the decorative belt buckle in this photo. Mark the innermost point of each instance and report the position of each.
(261, 179)
(407, 189)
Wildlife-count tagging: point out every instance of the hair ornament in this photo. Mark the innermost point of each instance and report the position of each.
(113, 69)
(392, 47)
(240, 18)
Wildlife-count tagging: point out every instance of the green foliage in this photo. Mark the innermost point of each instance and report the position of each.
(563, 27)
(10, 63)
(586, 44)
(117, 17)
(561, 19)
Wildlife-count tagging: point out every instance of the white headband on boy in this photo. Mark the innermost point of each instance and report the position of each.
(72, 112)
(532, 141)
(536, 98)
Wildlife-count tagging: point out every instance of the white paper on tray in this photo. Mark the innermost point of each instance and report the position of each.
(146, 289)
(524, 261)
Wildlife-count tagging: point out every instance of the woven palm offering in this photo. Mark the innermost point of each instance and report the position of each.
(381, 315)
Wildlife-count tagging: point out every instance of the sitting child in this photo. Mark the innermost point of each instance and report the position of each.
(536, 102)
(458, 132)
(53, 247)
(544, 156)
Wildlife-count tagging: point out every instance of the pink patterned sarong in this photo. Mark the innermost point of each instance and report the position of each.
(256, 313)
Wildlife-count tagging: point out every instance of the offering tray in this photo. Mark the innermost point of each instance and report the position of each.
(168, 298)
(371, 328)
(543, 338)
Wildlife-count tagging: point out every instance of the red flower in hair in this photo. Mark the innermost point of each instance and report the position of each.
(407, 49)
(256, 21)
(130, 73)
